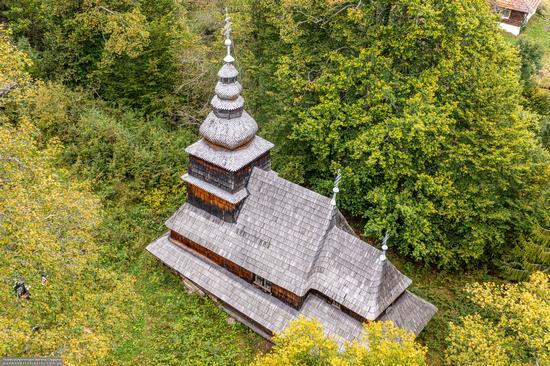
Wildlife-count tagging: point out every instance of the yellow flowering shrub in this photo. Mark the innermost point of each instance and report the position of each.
(47, 225)
(72, 305)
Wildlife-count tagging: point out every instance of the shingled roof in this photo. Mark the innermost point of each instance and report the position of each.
(264, 309)
(288, 235)
(231, 160)
(525, 6)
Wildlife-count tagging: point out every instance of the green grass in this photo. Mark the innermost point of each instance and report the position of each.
(538, 31)
(170, 326)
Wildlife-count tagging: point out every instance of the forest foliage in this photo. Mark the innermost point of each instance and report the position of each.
(48, 220)
(426, 125)
(512, 328)
(128, 51)
(438, 138)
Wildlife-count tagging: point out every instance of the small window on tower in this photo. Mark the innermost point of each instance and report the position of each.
(263, 283)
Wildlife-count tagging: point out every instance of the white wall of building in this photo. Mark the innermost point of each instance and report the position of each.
(510, 28)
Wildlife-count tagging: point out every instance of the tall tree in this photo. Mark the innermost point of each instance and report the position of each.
(56, 297)
(419, 103)
(129, 51)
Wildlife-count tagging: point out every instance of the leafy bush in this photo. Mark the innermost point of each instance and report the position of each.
(530, 256)
(129, 154)
(48, 223)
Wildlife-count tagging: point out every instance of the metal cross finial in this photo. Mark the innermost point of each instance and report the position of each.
(335, 190)
(384, 246)
(227, 31)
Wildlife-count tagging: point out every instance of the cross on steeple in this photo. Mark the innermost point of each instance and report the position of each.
(335, 190)
(384, 246)
(227, 31)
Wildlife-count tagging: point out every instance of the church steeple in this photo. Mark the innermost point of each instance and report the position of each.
(228, 125)
(220, 163)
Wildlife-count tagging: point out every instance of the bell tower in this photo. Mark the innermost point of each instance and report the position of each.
(221, 161)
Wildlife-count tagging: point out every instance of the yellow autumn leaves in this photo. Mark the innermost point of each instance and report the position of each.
(512, 327)
(303, 343)
(48, 221)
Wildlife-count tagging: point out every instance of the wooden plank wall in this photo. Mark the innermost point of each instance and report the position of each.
(230, 181)
(277, 291)
(232, 267)
(286, 296)
(212, 204)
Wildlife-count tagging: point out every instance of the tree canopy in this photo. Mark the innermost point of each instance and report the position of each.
(425, 123)
(47, 223)
(128, 51)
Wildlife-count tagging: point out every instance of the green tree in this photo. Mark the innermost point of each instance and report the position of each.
(424, 122)
(303, 343)
(128, 51)
(530, 255)
(513, 329)
(536, 98)
(47, 223)
(15, 81)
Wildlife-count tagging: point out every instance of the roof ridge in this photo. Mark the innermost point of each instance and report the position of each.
(322, 240)
(383, 274)
(380, 275)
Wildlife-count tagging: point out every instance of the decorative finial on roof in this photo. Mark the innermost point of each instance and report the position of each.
(227, 31)
(335, 190)
(384, 246)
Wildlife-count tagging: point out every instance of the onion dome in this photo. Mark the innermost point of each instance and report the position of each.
(229, 133)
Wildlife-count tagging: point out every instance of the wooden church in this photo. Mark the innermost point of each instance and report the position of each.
(268, 250)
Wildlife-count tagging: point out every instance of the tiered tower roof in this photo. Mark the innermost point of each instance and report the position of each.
(229, 133)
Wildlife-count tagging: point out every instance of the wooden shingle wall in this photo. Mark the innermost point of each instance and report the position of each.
(211, 203)
(227, 180)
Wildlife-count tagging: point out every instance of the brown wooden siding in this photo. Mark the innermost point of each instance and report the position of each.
(282, 294)
(286, 296)
(229, 181)
(516, 18)
(277, 291)
(342, 307)
(216, 258)
(212, 204)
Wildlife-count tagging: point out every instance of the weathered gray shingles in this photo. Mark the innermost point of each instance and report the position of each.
(228, 133)
(373, 284)
(231, 160)
(244, 297)
(282, 234)
(410, 312)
